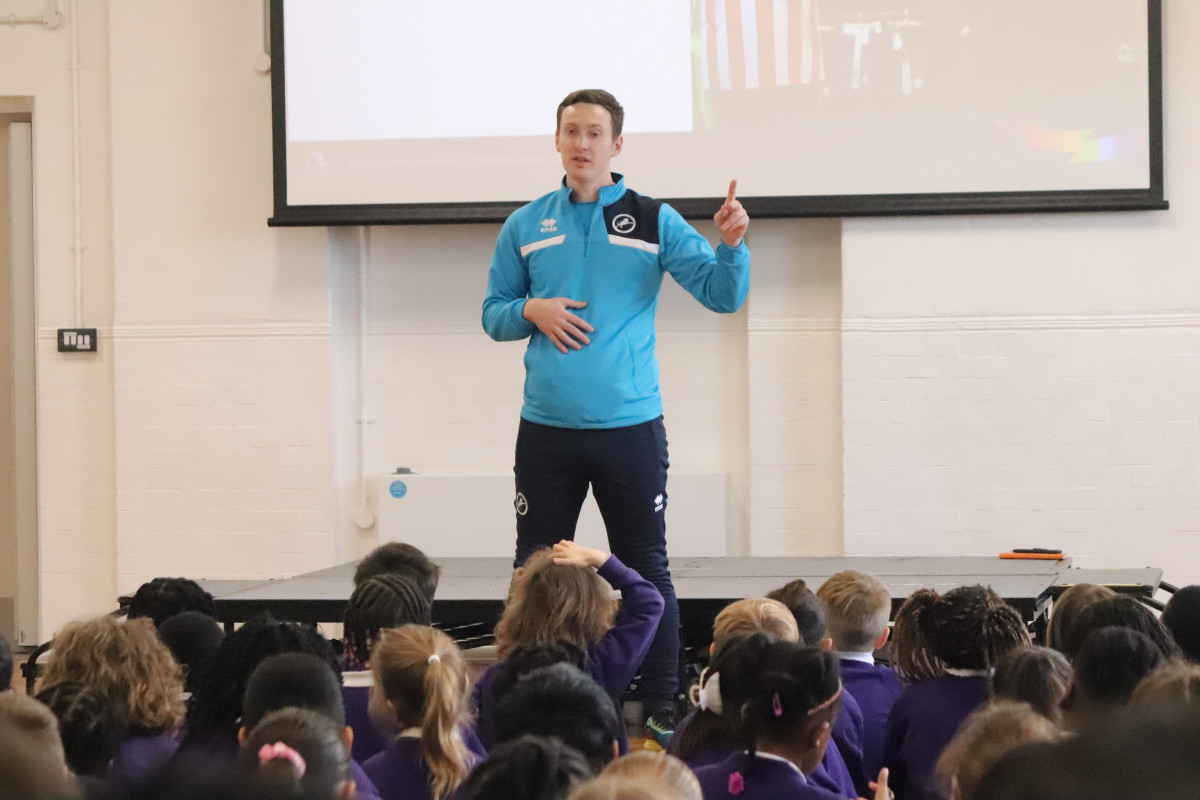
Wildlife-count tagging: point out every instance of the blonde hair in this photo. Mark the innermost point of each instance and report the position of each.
(622, 787)
(422, 673)
(663, 768)
(858, 607)
(36, 723)
(752, 615)
(1176, 683)
(986, 735)
(1066, 610)
(127, 662)
(550, 602)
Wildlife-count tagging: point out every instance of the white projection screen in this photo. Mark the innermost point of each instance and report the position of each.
(399, 111)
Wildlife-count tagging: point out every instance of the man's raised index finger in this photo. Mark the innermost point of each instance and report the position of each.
(729, 198)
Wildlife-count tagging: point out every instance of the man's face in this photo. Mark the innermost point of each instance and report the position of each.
(584, 140)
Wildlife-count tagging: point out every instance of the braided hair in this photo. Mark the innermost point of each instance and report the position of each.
(379, 602)
(913, 658)
(92, 726)
(163, 598)
(971, 627)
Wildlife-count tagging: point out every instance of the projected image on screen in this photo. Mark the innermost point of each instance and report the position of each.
(405, 102)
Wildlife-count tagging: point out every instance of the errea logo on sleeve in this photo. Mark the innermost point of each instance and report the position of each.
(549, 225)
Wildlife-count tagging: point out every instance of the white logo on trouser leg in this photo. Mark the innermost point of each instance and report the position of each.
(658, 502)
(521, 504)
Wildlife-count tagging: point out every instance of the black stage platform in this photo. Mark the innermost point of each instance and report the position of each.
(472, 590)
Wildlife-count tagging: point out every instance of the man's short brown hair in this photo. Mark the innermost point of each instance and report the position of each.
(597, 97)
(858, 606)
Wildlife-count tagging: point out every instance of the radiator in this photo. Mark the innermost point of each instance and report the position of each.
(472, 515)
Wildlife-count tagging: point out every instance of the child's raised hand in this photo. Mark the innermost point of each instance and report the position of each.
(567, 552)
(882, 792)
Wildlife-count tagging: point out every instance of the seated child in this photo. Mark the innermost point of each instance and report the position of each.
(301, 751)
(986, 735)
(421, 685)
(527, 768)
(125, 660)
(1181, 617)
(705, 737)
(858, 607)
(662, 768)
(387, 600)
(782, 697)
(563, 702)
(1038, 676)
(562, 595)
(968, 629)
(91, 726)
(403, 559)
(300, 680)
(32, 766)
(1108, 667)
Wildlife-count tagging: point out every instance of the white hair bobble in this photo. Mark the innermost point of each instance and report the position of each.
(435, 657)
(709, 693)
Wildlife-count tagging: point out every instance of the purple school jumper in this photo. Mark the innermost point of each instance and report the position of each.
(876, 688)
(399, 772)
(847, 739)
(831, 774)
(612, 661)
(758, 778)
(923, 721)
(141, 756)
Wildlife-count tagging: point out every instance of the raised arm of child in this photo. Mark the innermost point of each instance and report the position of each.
(615, 658)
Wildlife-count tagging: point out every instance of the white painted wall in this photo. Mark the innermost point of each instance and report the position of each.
(1033, 380)
(214, 433)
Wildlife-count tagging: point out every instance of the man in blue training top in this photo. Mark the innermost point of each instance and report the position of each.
(578, 272)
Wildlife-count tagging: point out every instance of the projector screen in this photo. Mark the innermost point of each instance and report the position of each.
(395, 111)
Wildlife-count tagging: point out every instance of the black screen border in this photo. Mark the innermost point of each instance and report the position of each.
(1152, 198)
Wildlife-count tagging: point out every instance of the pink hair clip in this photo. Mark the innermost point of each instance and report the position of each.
(737, 784)
(776, 706)
(279, 750)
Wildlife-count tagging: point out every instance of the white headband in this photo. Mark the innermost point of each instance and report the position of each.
(709, 693)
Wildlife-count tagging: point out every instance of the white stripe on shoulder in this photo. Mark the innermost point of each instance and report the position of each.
(553, 240)
(637, 244)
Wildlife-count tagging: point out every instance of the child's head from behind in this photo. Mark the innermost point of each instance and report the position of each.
(913, 658)
(1173, 685)
(125, 660)
(1182, 618)
(663, 768)
(217, 704)
(31, 758)
(193, 639)
(1122, 611)
(301, 751)
(858, 608)
(1038, 676)
(1110, 663)
(382, 601)
(562, 701)
(780, 692)
(752, 615)
(807, 609)
(527, 768)
(400, 558)
(91, 725)
(421, 682)
(1066, 611)
(295, 680)
(971, 627)
(985, 736)
(551, 602)
(163, 598)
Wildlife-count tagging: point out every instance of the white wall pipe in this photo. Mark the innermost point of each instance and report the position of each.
(76, 154)
(364, 517)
